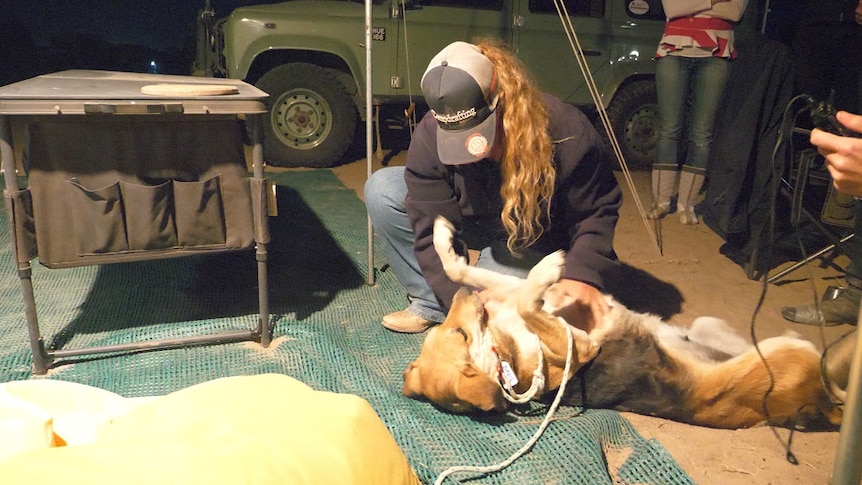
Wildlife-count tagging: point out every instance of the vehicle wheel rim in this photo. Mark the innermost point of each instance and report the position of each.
(301, 119)
(641, 133)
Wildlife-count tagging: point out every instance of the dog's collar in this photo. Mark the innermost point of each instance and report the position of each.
(508, 379)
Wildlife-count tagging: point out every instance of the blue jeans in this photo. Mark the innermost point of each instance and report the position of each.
(385, 191)
(676, 78)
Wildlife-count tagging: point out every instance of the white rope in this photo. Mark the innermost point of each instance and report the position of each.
(524, 449)
(538, 381)
(603, 115)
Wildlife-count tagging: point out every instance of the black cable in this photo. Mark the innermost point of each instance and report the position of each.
(784, 135)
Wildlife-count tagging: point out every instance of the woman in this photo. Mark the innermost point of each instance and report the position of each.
(518, 173)
(693, 59)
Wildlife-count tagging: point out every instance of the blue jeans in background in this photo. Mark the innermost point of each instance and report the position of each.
(676, 78)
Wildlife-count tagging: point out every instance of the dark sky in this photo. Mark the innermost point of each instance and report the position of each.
(42, 36)
(160, 24)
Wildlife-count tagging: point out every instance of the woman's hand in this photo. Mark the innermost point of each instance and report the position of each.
(580, 304)
(843, 154)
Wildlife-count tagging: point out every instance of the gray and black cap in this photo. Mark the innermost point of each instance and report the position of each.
(460, 87)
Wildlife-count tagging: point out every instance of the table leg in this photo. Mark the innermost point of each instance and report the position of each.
(260, 251)
(10, 176)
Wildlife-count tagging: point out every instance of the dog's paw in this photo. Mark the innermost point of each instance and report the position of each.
(453, 263)
(444, 232)
(547, 271)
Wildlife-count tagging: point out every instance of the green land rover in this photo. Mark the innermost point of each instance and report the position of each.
(310, 56)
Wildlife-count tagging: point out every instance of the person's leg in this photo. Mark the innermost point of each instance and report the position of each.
(709, 77)
(497, 257)
(672, 87)
(848, 309)
(841, 305)
(385, 191)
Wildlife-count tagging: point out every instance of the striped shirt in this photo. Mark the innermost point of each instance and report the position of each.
(697, 37)
(700, 28)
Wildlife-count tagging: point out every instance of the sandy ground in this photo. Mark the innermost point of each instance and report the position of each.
(691, 278)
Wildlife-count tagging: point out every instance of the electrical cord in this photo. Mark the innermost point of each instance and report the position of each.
(822, 116)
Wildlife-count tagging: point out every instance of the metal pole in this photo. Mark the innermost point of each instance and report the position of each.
(848, 458)
(369, 143)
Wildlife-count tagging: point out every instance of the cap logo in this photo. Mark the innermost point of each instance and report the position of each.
(477, 145)
(464, 114)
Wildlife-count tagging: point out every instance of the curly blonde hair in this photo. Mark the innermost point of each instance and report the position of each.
(527, 164)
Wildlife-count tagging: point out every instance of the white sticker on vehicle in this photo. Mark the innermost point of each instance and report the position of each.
(638, 7)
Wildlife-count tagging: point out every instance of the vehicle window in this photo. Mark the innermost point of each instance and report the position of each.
(576, 8)
(644, 9)
(480, 4)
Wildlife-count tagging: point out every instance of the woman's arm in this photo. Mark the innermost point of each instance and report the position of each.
(587, 199)
(430, 194)
(586, 206)
(731, 10)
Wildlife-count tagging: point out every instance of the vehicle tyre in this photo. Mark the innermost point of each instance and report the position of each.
(311, 120)
(633, 114)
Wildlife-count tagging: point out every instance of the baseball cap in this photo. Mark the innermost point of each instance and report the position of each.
(460, 88)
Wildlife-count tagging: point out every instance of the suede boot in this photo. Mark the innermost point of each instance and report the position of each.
(405, 322)
(839, 306)
(690, 183)
(663, 182)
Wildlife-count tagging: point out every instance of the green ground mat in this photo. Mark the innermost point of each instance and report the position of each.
(327, 333)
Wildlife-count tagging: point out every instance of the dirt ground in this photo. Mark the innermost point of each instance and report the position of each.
(695, 279)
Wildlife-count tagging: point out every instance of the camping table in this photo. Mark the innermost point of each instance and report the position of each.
(117, 175)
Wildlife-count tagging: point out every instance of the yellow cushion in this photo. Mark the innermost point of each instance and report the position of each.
(23, 426)
(73, 412)
(252, 429)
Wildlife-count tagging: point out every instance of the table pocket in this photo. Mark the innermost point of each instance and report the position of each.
(98, 218)
(199, 212)
(149, 216)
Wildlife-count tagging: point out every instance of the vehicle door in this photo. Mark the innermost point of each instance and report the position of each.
(542, 45)
(426, 26)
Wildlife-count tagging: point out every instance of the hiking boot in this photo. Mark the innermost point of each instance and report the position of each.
(840, 306)
(406, 322)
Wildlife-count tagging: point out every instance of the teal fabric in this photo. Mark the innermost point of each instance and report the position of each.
(327, 333)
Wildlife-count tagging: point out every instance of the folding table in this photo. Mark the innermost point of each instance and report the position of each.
(126, 167)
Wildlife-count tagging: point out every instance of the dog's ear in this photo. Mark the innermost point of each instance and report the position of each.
(412, 387)
(480, 390)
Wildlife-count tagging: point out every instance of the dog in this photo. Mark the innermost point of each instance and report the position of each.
(509, 343)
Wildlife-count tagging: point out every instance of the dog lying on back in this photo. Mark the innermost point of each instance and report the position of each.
(705, 375)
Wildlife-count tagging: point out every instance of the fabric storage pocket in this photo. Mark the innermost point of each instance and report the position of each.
(199, 211)
(20, 205)
(149, 215)
(97, 215)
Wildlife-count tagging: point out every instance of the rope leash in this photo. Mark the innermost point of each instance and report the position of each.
(532, 441)
(508, 379)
